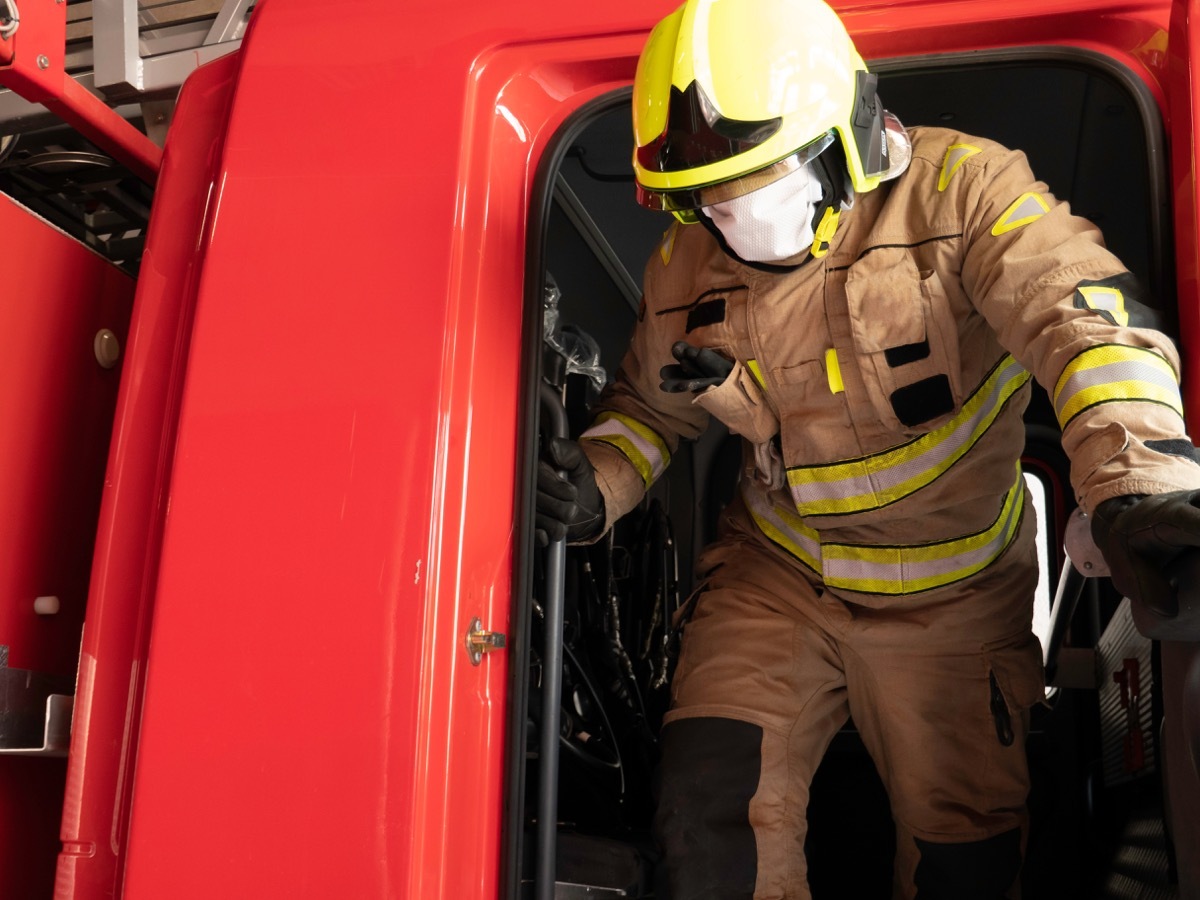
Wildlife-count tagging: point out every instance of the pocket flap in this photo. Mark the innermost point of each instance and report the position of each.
(741, 406)
(883, 293)
(1017, 668)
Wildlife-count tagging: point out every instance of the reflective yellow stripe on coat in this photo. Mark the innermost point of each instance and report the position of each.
(1113, 372)
(872, 482)
(639, 444)
(890, 570)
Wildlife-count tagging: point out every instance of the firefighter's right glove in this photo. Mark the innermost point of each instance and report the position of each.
(1152, 546)
(569, 504)
(698, 369)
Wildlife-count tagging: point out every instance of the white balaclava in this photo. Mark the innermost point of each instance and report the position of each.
(773, 223)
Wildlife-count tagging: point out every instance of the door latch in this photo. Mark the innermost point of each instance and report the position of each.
(480, 642)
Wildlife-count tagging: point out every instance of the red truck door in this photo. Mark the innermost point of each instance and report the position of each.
(1181, 659)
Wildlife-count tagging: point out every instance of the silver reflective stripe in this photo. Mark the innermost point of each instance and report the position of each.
(874, 481)
(643, 448)
(911, 569)
(781, 524)
(895, 569)
(1112, 372)
(1104, 299)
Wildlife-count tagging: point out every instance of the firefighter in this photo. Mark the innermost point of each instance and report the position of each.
(866, 306)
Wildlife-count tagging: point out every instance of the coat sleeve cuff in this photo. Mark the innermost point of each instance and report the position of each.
(619, 481)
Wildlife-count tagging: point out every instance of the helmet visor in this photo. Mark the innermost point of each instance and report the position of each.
(708, 195)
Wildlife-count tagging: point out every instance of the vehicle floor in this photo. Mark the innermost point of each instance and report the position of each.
(1117, 852)
(1140, 868)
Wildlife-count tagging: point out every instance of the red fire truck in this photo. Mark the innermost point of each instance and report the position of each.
(280, 348)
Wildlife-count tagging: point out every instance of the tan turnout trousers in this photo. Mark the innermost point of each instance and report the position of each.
(768, 646)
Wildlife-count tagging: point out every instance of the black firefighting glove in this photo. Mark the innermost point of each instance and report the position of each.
(1152, 546)
(699, 368)
(569, 504)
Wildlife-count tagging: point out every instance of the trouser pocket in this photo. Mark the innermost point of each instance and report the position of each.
(1015, 683)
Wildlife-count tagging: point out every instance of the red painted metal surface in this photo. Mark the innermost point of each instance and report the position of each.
(33, 64)
(342, 498)
(108, 131)
(1184, 117)
(279, 702)
(57, 404)
(122, 593)
(36, 52)
(1180, 663)
(1131, 33)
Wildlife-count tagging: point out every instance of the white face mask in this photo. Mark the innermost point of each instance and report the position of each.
(773, 223)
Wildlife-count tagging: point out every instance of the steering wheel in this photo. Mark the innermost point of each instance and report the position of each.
(585, 731)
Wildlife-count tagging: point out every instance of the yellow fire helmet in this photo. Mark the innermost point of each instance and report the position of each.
(730, 88)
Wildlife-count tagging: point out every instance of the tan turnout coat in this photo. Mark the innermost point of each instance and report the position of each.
(880, 388)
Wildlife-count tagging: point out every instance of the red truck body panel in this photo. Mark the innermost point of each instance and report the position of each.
(315, 465)
(58, 405)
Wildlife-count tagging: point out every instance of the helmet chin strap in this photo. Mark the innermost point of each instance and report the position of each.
(830, 170)
(825, 231)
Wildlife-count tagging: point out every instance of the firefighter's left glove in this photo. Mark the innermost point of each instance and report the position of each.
(698, 369)
(569, 504)
(1152, 546)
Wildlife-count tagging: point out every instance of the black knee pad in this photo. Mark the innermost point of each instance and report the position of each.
(709, 771)
(981, 870)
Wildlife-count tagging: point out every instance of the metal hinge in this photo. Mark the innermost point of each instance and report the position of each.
(479, 642)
